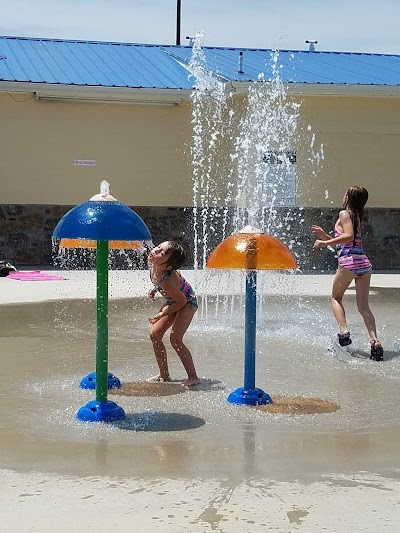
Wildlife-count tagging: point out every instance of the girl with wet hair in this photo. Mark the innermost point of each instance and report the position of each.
(176, 255)
(353, 264)
(176, 312)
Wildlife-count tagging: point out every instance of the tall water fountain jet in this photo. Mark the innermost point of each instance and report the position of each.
(266, 153)
(244, 154)
(210, 123)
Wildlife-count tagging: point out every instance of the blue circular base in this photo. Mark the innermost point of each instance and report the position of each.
(244, 396)
(89, 381)
(100, 412)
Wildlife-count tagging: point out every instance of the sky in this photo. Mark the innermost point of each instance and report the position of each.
(338, 25)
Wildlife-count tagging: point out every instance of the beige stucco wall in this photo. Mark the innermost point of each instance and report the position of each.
(139, 149)
(361, 141)
(143, 151)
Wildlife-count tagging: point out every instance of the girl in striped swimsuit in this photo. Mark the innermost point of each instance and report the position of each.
(177, 311)
(353, 264)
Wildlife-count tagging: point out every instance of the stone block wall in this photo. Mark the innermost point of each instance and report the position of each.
(25, 234)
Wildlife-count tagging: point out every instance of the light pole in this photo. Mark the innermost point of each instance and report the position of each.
(178, 22)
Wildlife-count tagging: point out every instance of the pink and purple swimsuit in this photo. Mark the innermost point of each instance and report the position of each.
(184, 286)
(352, 256)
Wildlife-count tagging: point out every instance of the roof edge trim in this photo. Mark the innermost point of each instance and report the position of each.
(329, 89)
(90, 92)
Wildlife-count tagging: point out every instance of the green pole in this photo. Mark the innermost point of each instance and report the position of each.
(102, 322)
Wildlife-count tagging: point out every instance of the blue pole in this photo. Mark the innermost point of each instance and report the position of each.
(250, 330)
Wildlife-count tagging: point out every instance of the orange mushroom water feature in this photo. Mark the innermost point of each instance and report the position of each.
(250, 249)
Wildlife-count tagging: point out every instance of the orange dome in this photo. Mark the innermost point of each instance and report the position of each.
(112, 245)
(251, 251)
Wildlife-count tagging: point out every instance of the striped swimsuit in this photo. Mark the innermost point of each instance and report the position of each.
(184, 286)
(352, 256)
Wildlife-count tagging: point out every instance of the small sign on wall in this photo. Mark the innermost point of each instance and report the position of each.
(84, 162)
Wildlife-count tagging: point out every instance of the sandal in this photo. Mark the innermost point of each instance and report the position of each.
(376, 351)
(344, 338)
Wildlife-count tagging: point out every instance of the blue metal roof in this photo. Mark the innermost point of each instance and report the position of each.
(108, 64)
(89, 63)
(299, 66)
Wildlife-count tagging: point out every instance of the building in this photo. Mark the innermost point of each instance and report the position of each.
(76, 112)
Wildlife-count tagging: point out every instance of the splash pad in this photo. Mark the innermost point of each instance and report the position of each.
(192, 458)
(293, 361)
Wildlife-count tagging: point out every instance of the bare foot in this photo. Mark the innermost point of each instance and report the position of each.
(158, 379)
(190, 382)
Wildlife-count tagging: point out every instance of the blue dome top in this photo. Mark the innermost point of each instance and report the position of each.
(102, 221)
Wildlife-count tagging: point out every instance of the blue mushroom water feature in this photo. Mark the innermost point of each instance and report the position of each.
(101, 223)
(250, 249)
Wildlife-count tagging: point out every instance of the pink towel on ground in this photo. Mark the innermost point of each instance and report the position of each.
(35, 275)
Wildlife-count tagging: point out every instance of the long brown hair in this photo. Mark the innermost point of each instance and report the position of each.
(354, 202)
(177, 255)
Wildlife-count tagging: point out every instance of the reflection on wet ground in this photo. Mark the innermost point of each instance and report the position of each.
(48, 347)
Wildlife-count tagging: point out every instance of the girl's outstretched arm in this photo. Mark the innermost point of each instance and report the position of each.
(320, 233)
(347, 235)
